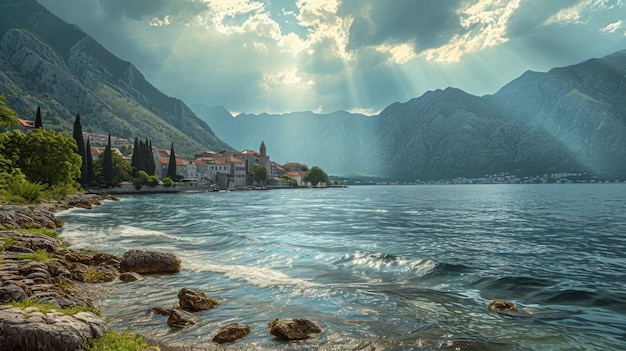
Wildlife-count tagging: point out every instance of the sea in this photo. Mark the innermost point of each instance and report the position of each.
(377, 267)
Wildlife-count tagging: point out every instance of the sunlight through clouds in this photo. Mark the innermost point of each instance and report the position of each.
(358, 55)
(486, 23)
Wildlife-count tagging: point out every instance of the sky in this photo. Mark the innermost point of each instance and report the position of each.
(278, 56)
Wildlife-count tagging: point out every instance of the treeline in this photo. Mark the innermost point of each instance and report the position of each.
(42, 164)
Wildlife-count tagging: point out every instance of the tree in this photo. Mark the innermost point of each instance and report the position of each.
(120, 169)
(136, 158)
(107, 164)
(38, 123)
(44, 156)
(171, 166)
(77, 134)
(259, 173)
(8, 118)
(316, 175)
(89, 162)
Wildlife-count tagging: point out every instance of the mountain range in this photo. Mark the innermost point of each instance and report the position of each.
(47, 62)
(570, 119)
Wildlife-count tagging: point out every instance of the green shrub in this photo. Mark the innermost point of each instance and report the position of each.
(14, 188)
(60, 191)
(114, 341)
(39, 255)
(153, 181)
(167, 181)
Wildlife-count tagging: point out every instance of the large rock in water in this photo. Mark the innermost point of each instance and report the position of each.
(30, 329)
(194, 301)
(293, 328)
(231, 333)
(146, 262)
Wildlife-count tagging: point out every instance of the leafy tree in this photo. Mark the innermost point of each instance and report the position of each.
(171, 166)
(316, 175)
(44, 156)
(259, 173)
(120, 169)
(107, 164)
(8, 118)
(38, 123)
(77, 134)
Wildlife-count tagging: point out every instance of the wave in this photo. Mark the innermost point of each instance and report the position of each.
(257, 276)
(131, 231)
(383, 261)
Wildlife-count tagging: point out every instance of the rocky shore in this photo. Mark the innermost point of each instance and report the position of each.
(48, 292)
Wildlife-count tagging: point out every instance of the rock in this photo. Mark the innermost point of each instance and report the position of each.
(11, 293)
(92, 274)
(29, 329)
(194, 301)
(179, 318)
(293, 328)
(130, 277)
(231, 333)
(501, 306)
(12, 217)
(61, 301)
(161, 311)
(146, 262)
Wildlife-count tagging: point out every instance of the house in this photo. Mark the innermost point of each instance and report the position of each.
(296, 177)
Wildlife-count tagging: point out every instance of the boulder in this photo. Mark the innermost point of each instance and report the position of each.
(11, 293)
(130, 277)
(231, 333)
(293, 328)
(179, 318)
(146, 262)
(500, 306)
(30, 329)
(194, 301)
(12, 217)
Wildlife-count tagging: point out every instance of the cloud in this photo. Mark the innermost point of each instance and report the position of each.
(285, 55)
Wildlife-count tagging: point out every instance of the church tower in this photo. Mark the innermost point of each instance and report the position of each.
(263, 152)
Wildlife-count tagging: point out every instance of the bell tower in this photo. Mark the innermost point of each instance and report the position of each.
(263, 151)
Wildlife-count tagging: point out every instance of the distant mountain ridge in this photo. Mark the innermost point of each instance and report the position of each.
(570, 119)
(49, 63)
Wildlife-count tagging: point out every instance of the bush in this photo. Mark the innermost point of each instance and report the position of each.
(167, 181)
(60, 191)
(16, 189)
(153, 181)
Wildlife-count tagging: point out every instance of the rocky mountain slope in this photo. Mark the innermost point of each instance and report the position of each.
(49, 63)
(570, 119)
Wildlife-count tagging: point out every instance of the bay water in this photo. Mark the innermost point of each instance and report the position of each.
(378, 267)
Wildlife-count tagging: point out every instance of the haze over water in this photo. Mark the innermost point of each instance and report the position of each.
(379, 267)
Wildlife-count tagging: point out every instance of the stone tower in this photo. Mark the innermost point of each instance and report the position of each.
(263, 151)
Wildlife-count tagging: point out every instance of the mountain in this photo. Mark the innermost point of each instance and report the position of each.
(570, 119)
(47, 62)
(338, 142)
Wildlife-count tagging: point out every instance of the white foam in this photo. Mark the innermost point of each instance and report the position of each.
(258, 276)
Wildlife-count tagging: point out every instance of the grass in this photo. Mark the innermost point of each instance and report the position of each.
(8, 242)
(48, 307)
(43, 231)
(114, 341)
(39, 255)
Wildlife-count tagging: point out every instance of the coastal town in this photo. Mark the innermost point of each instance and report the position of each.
(222, 170)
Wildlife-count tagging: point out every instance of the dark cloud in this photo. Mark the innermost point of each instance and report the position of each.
(428, 23)
(142, 9)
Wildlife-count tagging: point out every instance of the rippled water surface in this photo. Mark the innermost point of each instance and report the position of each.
(379, 267)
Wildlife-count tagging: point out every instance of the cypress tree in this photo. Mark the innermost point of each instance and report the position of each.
(135, 161)
(107, 164)
(151, 165)
(171, 167)
(38, 119)
(80, 142)
(89, 162)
